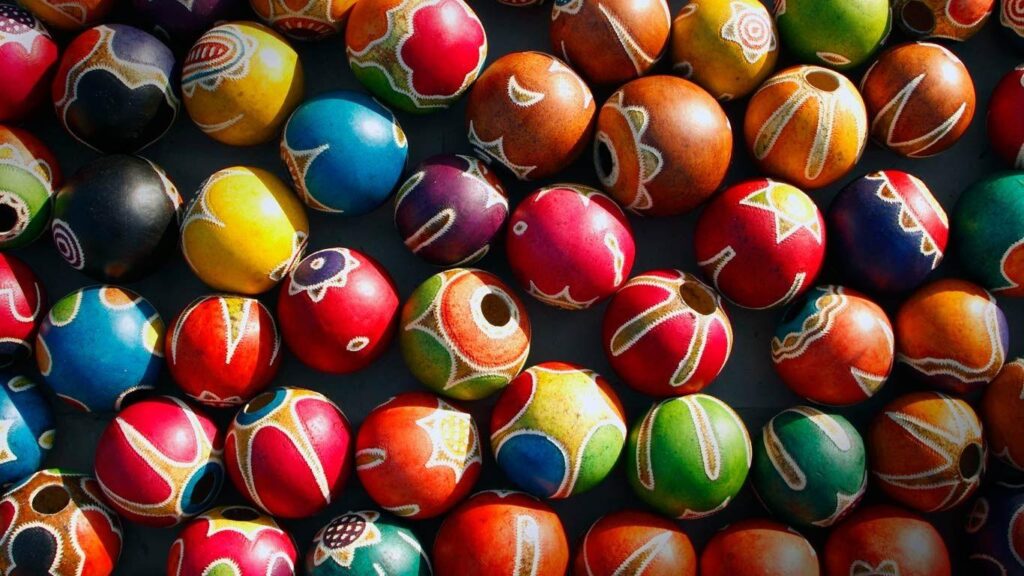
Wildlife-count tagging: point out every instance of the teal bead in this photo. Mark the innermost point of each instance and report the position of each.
(841, 34)
(988, 233)
(358, 543)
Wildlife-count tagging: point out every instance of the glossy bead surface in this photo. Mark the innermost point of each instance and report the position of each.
(663, 146)
(182, 22)
(1005, 123)
(338, 310)
(1002, 413)
(235, 540)
(98, 345)
(884, 538)
(450, 209)
(841, 34)
(243, 231)
(345, 152)
(760, 229)
(667, 457)
(160, 461)
(304, 19)
(920, 99)
(223, 350)
(116, 219)
(240, 82)
(995, 532)
(1011, 16)
(988, 232)
(569, 246)
(29, 175)
(415, 55)
(28, 431)
(926, 451)
(28, 57)
(755, 547)
(417, 455)
(634, 540)
(22, 311)
(69, 16)
(288, 451)
(364, 542)
(945, 19)
(666, 333)
(531, 113)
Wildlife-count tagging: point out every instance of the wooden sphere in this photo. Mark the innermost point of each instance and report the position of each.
(22, 312)
(841, 34)
(755, 547)
(988, 229)
(28, 57)
(634, 542)
(29, 176)
(366, 542)
(182, 22)
(944, 19)
(314, 20)
(1005, 122)
(1002, 413)
(28, 430)
(1011, 16)
(72, 16)
(235, 539)
(886, 538)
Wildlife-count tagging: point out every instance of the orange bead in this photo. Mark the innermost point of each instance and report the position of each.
(1002, 411)
(633, 542)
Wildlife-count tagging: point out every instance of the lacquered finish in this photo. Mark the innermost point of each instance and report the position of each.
(841, 34)
(1002, 413)
(304, 19)
(1005, 123)
(365, 542)
(29, 175)
(24, 304)
(631, 541)
(988, 232)
(28, 57)
(235, 540)
(69, 16)
(945, 19)
(995, 529)
(1011, 16)
(882, 537)
(182, 22)
(756, 547)
(28, 431)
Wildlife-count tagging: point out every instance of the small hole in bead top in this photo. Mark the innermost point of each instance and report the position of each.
(697, 298)
(918, 17)
(240, 514)
(8, 218)
(204, 487)
(971, 461)
(605, 161)
(496, 310)
(793, 310)
(51, 500)
(823, 80)
(258, 403)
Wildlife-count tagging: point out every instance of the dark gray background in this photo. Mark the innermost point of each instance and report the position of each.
(747, 383)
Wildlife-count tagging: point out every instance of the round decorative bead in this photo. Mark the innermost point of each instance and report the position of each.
(927, 451)
(689, 456)
(888, 231)
(1002, 412)
(809, 467)
(757, 547)
(243, 231)
(663, 145)
(833, 346)
(450, 210)
(417, 455)
(415, 55)
(666, 334)
(1011, 16)
(919, 97)
(223, 350)
(28, 56)
(160, 461)
(116, 219)
(57, 522)
(21, 315)
(114, 90)
(345, 152)
(612, 41)
(806, 125)
(988, 232)
(557, 430)
(995, 528)
(531, 113)
(1005, 125)
(946, 19)
(288, 452)
(363, 543)
(498, 532)
(69, 16)
(569, 246)
(629, 540)
(841, 34)
(464, 334)
(240, 81)
(953, 335)
(729, 47)
(761, 229)
(98, 345)
(29, 175)
(28, 428)
(886, 539)
(182, 22)
(234, 540)
(338, 310)
(313, 20)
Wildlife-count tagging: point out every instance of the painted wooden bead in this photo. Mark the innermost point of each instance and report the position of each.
(28, 56)
(1011, 16)
(235, 540)
(498, 532)
(70, 16)
(98, 345)
(557, 430)
(29, 175)
(761, 229)
(841, 34)
(663, 145)
(57, 522)
(755, 547)
(531, 113)
(946, 19)
(243, 231)
(988, 232)
(953, 335)
(416, 55)
(465, 334)
(312, 20)
(289, 452)
(113, 90)
(834, 347)
(729, 47)
(160, 461)
(920, 99)
(450, 209)
(610, 42)
(634, 542)
(338, 310)
(28, 429)
(1002, 412)
(666, 333)
(22, 313)
(926, 451)
(1005, 123)
(345, 152)
(806, 125)
(182, 22)
(116, 219)
(884, 539)
(240, 82)
(569, 246)
(417, 455)
(223, 350)
(689, 456)
(888, 231)
(363, 542)
(995, 530)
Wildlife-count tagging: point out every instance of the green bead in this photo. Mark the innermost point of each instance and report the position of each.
(24, 206)
(809, 467)
(363, 543)
(988, 232)
(841, 34)
(689, 456)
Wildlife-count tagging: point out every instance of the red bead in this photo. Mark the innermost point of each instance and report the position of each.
(632, 542)
(1005, 120)
(28, 57)
(234, 539)
(759, 548)
(886, 540)
(23, 303)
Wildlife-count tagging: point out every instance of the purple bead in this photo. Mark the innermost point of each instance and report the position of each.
(182, 21)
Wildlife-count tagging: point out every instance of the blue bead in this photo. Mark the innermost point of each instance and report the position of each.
(30, 430)
(533, 462)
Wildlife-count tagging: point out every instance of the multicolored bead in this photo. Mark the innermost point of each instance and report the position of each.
(28, 56)
(70, 16)
(232, 540)
(634, 542)
(1002, 412)
(182, 22)
(304, 19)
(988, 232)
(884, 539)
(995, 529)
(946, 19)
(755, 547)
(26, 427)
(357, 543)
(29, 175)
(1005, 124)
(1011, 16)
(24, 299)
(841, 34)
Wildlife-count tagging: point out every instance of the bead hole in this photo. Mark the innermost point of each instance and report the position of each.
(605, 161)
(258, 403)
(241, 514)
(204, 487)
(697, 299)
(495, 310)
(918, 17)
(822, 80)
(51, 500)
(794, 309)
(971, 460)
(8, 219)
